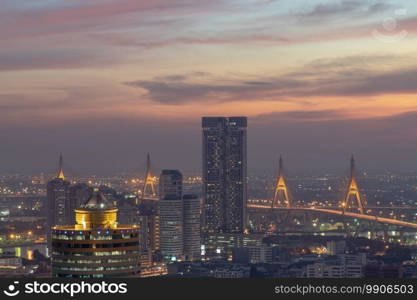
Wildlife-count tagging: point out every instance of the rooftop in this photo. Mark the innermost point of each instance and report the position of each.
(97, 201)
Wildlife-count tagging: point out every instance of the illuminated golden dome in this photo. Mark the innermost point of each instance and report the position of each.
(97, 212)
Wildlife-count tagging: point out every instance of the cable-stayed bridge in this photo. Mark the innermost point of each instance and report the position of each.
(352, 206)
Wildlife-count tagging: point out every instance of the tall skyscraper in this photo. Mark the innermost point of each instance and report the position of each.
(154, 233)
(58, 201)
(179, 219)
(171, 215)
(96, 246)
(78, 194)
(191, 225)
(130, 213)
(224, 174)
(170, 184)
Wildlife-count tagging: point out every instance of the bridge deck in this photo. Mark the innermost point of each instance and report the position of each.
(346, 213)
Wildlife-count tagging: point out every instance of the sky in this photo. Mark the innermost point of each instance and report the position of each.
(106, 81)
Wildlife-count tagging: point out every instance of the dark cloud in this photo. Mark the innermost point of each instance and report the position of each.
(257, 83)
(320, 30)
(145, 25)
(299, 115)
(346, 76)
(396, 82)
(347, 8)
(53, 59)
(19, 20)
(182, 77)
(178, 92)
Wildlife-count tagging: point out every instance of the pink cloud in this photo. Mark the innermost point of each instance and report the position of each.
(87, 15)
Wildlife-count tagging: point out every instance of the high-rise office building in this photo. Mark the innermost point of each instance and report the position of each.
(154, 233)
(128, 213)
(58, 199)
(179, 219)
(78, 194)
(191, 225)
(96, 246)
(149, 232)
(170, 184)
(58, 202)
(150, 225)
(171, 215)
(224, 174)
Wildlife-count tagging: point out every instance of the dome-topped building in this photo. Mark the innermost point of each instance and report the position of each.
(97, 201)
(96, 246)
(96, 212)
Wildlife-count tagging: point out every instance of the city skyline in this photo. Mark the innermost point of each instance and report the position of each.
(113, 80)
(219, 139)
(120, 230)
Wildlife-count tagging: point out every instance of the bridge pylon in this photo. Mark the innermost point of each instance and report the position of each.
(149, 184)
(353, 199)
(281, 194)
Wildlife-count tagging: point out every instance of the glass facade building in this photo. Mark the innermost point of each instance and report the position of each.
(224, 174)
(171, 215)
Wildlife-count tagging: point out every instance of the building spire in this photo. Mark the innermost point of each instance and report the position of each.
(60, 174)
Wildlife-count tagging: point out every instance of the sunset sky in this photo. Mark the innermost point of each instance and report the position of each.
(106, 81)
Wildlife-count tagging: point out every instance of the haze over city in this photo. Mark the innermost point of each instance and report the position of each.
(107, 81)
(224, 139)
